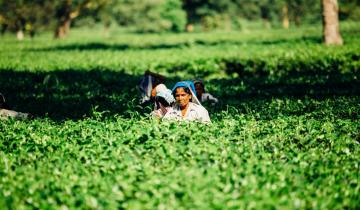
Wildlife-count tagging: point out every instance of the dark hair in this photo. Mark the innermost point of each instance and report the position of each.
(201, 84)
(186, 89)
(161, 100)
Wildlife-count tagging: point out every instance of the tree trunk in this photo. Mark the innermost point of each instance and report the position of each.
(106, 31)
(20, 34)
(189, 27)
(331, 33)
(297, 20)
(285, 17)
(64, 20)
(63, 28)
(67, 15)
(266, 23)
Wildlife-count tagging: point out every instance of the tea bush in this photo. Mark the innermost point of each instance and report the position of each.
(285, 134)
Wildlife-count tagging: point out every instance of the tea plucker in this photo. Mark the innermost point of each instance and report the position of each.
(187, 106)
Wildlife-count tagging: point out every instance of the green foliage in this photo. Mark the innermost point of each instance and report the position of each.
(349, 10)
(25, 15)
(152, 16)
(286, 162)
(163, 15)
(285, 134)
(212, 13)
(173, 12)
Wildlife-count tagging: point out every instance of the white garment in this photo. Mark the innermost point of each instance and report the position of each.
(208, 97)
(165, 94)
(160, 113)
(194, 112)
(5, 114)
(160, 87)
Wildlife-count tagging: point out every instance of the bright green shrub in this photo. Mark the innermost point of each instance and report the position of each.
(153, 16)
(285, 134)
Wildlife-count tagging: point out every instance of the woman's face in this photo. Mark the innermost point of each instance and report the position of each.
(182, 97)
(153, 92)
(199, 89)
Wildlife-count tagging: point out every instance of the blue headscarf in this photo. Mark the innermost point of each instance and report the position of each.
(186, 83)
(191, 86)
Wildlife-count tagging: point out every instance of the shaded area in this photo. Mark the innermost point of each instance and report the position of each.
(91, 46)
(323, 95)
(73, 94)
(69, 94)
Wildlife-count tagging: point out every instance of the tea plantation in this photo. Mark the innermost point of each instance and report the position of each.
(285, 135)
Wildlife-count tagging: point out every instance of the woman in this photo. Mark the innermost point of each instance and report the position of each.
(202, 94)
(187, 106)
(163, 101)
